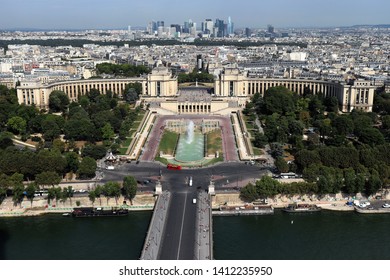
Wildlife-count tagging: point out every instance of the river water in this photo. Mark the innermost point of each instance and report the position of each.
(323, 235)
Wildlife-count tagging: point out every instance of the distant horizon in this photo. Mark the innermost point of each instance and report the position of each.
(118, 14)
(38, 29)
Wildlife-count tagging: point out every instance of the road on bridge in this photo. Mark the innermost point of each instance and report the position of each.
(178, 241)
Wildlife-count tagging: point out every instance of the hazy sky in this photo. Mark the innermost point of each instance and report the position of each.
(80, 14)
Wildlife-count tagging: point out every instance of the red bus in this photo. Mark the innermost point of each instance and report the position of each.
(173, 166)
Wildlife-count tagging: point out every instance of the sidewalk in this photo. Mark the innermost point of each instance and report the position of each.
(40, 205)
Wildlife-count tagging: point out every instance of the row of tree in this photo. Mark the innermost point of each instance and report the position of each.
(192, 77)
(122, 70)
(114, 189)
(326, 181)
(19, 191)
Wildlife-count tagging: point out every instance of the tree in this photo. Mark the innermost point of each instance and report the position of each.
(17, 193)
(87, 168)
(98, 192)
(68, 193)
(59, 145)
(58, 101)
(92, 196)
(344, 125)
(260, 140)
(249, 193)
(107, 132)
(373, 183)
(3, 193)
(5, 140)
(80, 129)
(267, 187)
(350, 180)
(51, 194)
(386, 122)
(17, 125)
(371, 136)
(94, 151)
(129, 188)
(279, 100)
(72, 162)
(305, 158)
(30, 191)
(58, 194)
(112, 189)
(281, 165)
(48, 178)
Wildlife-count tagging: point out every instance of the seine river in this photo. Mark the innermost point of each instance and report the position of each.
(324, 235)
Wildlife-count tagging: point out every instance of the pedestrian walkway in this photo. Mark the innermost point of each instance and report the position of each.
(204, 228)
(153, 239)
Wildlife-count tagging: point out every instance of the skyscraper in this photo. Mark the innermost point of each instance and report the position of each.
(207, 26)
(160, 23)
(220, 28)
(248, 32)
(230, 26)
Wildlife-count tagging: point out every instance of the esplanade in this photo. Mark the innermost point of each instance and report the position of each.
(232, 89)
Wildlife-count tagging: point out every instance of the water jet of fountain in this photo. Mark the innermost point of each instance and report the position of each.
(190, 132)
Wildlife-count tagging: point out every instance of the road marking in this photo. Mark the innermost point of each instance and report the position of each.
(181, 230)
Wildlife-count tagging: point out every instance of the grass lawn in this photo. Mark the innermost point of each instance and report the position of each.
(127, 142)
(214, 142)
(140, 116)
(257, 151)
(168, 142)
(122, 151)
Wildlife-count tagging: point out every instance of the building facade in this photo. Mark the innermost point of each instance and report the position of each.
(232, 90)
(358, 94)
(158, 83)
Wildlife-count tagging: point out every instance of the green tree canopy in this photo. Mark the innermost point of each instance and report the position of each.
(87, 168)
(129, 187)
(58, 101)
(17, 125)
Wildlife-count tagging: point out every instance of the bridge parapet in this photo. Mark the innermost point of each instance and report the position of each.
(204, 228)
(152, 242)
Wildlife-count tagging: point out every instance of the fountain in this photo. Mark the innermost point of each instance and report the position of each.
(190, 132)
(190, 147)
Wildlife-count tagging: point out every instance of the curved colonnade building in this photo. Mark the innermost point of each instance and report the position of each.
(232, 89)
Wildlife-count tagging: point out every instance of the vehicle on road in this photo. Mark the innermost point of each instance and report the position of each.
(190, 182)
(110, 167)
(173, 166)
(364, 204)
(194, 200)
(386, 205)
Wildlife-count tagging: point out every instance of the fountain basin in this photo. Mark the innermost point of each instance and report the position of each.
(190, 151)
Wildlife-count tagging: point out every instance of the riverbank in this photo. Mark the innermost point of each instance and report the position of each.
(40, 205)
(334, 203)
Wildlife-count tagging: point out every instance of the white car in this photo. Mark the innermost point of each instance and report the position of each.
(386, 205)
(364, 204)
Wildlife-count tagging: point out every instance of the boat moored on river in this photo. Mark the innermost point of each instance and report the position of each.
(244, 210)
(301, 208)
(99, 212)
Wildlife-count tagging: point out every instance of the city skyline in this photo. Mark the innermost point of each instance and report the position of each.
(118, 14)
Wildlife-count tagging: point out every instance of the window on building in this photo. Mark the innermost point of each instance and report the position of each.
(158, 92)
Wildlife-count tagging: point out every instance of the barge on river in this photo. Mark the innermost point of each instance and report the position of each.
(301, 208)
(99, 212)
(244, 210)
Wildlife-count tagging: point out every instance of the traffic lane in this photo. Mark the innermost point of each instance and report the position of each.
(188, 233)
(171, 236)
